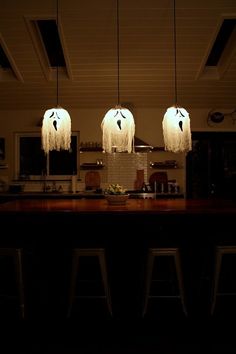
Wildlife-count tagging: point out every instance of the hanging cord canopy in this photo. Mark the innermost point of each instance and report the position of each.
(175, 54)
(118, 50)
(176, 121)
(118, 125)
(56, 127)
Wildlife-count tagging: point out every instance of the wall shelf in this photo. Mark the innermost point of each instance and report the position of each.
(91, 166)
(164, 167)
(167, 165)
(91, 149)
(158, 148)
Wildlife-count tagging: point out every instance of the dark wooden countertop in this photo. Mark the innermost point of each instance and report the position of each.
(133, 206)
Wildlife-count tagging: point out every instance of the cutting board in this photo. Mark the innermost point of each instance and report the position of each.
(92, 180)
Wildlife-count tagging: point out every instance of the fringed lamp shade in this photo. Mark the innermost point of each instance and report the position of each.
(56, 130)
(176, 130)
(118, 129)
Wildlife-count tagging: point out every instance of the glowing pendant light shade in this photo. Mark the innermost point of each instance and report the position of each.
(176, 130)
(118, 124)
(118, 130)
(56, 127)
(56, 130)
(176, 121)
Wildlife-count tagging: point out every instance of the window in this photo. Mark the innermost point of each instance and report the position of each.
(4, 62)
(2, 149)
(32, 162)
(50, 45)
(222, 38)
(51, 40)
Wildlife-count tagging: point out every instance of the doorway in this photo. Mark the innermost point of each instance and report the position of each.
(211, 166)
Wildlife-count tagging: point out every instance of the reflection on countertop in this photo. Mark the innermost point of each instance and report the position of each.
(4, 196)
(49, 195)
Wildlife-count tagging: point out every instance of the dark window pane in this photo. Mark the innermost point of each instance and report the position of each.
(32, 157)
(221, 41)
(64, 162)
(4, 62)
(2, 148)
(51, 40)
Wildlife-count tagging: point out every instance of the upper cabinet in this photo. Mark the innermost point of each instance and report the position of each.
(211, 165)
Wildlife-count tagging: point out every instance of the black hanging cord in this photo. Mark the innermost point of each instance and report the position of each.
(118, 50)
(175, 62)
(57, 78)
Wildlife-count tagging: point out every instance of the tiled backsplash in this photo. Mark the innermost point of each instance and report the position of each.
(121, 168)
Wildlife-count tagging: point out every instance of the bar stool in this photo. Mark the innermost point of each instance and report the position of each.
(16, 255)
(163, 252)
(89, 252)
(220, 251)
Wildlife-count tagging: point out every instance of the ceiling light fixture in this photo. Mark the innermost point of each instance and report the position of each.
(176, 121)
(118, 125)
(56, 127)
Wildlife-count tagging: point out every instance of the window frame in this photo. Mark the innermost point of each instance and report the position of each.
(19, 135)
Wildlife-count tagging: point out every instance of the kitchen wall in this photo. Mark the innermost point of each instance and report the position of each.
(88, 122)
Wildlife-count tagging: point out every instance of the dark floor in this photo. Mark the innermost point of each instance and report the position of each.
(164, 330)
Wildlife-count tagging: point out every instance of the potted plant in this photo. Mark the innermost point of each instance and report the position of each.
(116, 194)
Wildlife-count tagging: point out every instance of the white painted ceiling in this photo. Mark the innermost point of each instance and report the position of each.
(146, 54)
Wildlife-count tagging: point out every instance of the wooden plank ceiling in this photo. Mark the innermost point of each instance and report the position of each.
(146, 54)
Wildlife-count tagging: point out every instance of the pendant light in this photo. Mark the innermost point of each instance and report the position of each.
(118, 125)
(56, 127)
(176, 121)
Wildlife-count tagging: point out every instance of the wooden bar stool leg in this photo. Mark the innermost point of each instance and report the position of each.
(180, 281)
(150, 262)
(19, 275)
(216, 279)
(105, 279)
(75, 265)
(16, 255)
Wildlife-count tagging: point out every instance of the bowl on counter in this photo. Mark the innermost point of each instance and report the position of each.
(117, 199)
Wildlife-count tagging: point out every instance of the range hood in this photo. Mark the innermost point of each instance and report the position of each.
(141, 146)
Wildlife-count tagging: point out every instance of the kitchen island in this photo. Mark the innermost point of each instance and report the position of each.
(80, 218)
(48, 230)
(42, 205)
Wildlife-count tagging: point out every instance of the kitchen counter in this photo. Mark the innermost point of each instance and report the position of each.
(133, 206)
(71, 221)
(79, 195)
(48, 229)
